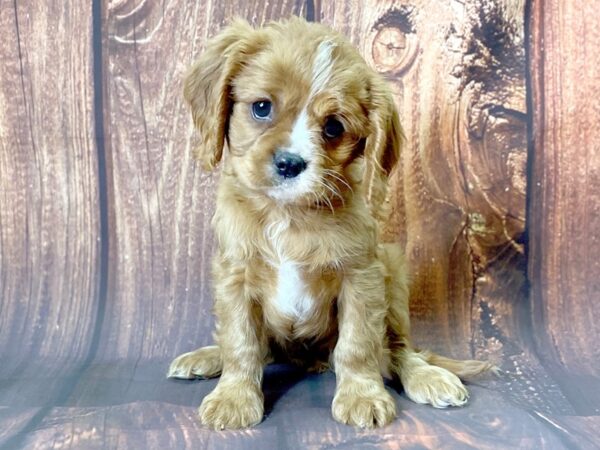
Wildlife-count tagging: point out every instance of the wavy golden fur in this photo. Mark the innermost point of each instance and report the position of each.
(299, 263)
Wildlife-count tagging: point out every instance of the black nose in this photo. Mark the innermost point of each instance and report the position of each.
(288, 165)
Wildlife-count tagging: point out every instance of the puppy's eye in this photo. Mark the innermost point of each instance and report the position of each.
(333, 128)
(261, 110)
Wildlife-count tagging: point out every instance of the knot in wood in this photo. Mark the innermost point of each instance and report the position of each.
(389, 48)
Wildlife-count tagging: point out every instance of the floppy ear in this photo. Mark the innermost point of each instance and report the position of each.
(382, 147)
(207, 87)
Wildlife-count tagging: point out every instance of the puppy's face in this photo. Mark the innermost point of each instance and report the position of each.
(298, 107)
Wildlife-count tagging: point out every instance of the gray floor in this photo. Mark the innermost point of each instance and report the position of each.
(130, 404)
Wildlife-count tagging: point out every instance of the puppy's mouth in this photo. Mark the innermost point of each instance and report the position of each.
(291, 193)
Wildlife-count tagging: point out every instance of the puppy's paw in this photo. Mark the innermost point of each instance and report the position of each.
(370, 408)
(434, 385)
(204, 362)
(232, 406)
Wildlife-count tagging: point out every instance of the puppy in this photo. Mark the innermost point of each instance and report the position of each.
(312, 134)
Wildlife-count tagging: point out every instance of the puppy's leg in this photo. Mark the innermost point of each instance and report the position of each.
(204, 362)
(237, 401)
(424, 381)
(361, 398)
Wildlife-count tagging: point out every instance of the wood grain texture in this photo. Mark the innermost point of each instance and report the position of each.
(564, 262)
(160, 296)
(13, 420)
(120, 408)
(458, 200)
(564, 209)
(462, 177)
(579, 432)
(456, 68)
(49, 215)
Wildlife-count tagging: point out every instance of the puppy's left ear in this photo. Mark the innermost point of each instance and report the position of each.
(382, 148)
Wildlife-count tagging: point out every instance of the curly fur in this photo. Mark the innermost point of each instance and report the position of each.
(299, 263)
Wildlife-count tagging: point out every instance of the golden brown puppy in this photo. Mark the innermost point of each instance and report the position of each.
(312, 135)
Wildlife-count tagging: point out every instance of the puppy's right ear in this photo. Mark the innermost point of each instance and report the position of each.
(207, 87)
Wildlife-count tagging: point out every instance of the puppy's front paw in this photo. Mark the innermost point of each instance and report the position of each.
(232, 406)
(363, 408)
(434, 385)
(203, 362)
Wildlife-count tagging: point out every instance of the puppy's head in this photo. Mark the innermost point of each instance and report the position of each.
(299, 108)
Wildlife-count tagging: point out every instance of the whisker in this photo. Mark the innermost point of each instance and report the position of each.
(336, 175)
(328, 201)
(338, 178)
(325, 198)
(317, 199)
(333, 191)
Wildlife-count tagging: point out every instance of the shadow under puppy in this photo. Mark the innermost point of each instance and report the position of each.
(312, 135)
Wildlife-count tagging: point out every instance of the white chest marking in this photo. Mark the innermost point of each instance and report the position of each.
(293, 298)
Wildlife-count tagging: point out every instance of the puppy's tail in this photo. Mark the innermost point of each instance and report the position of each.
(464, 369)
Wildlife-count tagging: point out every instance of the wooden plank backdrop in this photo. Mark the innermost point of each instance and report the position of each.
(458, 72)
(50, 233)
(49, 215)
(161, 200)
(105, 237)
(463, 168)
(564, 263)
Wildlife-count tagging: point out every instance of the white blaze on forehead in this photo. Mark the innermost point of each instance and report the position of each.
(322, 67)
(302, 143)
(301, 139)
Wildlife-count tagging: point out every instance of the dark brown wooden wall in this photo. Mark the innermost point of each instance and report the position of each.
(564, 212)
(104, 216)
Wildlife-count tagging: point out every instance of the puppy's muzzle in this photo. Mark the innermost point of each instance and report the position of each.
(288, 165)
